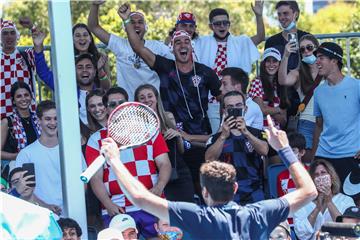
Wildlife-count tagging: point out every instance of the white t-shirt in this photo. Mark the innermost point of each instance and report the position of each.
(254, 116)
(47, 171)
(128, 76)
(82, 110)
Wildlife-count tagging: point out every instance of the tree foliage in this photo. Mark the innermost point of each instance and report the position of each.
(161, 17)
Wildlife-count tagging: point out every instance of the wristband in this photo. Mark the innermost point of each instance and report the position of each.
(126, 21)
(287, 155)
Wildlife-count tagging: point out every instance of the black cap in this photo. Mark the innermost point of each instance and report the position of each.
(330, 49)
(350, 212)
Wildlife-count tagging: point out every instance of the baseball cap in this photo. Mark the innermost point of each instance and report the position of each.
(122, 222)
(272, 52)
(110, 233)
(350, 212)
(330, 49)
(186, 17)
(7, 24)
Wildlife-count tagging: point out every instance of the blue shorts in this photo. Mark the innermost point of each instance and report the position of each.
(144, 223)
(307, 128)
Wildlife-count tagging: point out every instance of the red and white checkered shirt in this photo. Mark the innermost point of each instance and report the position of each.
(257, 90)
(285, 184)
(13, 69)
(139, 161)
(219, 64)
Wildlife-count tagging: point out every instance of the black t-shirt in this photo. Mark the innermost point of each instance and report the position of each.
(278, 41)
(177, 96)
(11, 142)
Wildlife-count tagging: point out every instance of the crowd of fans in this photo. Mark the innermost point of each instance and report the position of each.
(209, 112)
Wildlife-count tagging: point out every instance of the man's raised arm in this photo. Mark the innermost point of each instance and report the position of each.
(133, 189)
(136, 43)
(93, 23)
(305, 189)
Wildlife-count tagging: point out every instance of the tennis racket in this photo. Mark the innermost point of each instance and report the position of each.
(131, 124)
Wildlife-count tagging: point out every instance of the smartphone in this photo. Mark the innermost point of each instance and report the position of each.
(30, 168)
(292, 37)
(235, 112)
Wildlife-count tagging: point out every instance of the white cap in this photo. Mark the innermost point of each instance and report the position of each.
(122, 222)
(272, 52)
(110, 234)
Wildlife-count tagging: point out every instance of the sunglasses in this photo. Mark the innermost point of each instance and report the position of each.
(114, 104)
(308, 47)
(225, 23)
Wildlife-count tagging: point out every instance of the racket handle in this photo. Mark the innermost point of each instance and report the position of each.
(92, 169)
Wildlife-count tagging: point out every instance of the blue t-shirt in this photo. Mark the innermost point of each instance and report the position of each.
(182, 97)
(229, 221)
(339, 106)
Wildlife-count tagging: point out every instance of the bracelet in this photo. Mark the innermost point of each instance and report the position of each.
(126, 21)
(287, 156)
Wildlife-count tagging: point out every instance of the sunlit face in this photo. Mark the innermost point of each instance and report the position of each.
(320, 171)
(129, 234)
(306, 48)
(286, 15)
(279, 233)
(228, 86)
(85, 72)
(70, 234)
(114, 100)
(190, 28)
(271, 66)
(8, 39)
(22, 99)
(48, 123)
(326, 65)
(138, 22)
(220, 25)
(96, 108)
(147, 97)
(82, 39)
(182, 49)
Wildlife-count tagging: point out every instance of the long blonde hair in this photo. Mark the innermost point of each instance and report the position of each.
(165, 122)
(335, 181)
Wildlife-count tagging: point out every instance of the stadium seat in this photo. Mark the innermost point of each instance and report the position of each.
(273, 171)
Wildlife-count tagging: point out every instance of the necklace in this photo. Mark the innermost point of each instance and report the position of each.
(26, 120)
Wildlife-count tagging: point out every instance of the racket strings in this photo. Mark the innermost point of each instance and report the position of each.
(132, 125)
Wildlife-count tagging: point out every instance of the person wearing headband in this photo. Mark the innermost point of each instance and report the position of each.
(337, 112)
(15, 66)
(131, 70)
(222, 49)
(184, 88)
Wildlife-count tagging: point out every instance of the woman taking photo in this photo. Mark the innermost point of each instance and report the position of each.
(305, 79)
(328, 205)
(22, 127)
(180, 187)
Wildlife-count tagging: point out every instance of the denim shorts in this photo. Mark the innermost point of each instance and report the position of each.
(307, 128)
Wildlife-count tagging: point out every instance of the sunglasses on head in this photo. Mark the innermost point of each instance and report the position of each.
(225, 23)
(114, 104)
(308, 47)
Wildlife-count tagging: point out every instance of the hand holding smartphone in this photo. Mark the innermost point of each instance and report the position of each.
(30, 168)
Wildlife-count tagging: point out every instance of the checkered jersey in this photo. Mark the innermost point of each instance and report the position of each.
(285, 184)
(139, 161)
(257, 90)
(13, 69)
(240, 153)
(219, 64)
